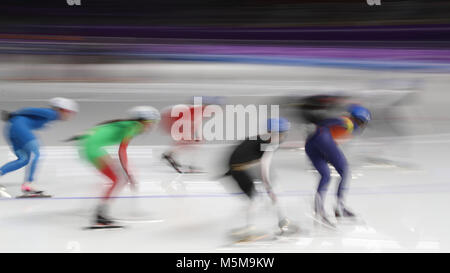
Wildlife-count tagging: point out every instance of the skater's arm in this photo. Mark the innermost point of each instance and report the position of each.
(265, 174)
(45, 113)
(76, 137)
(265, 168)
(123, 156)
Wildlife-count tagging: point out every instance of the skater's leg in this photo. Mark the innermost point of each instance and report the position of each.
(104, 163)
(246, 184)
(321, 166)
(14, 136)
(22, 160)
(31, 148)
(24, 144)
(339, 162)
(105, 166)
(324, 171)
(169, 156)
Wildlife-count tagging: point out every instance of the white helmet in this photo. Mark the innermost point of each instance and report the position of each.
(63, 103)
(144, 112)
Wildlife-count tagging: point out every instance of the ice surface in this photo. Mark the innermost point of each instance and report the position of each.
(400, 186)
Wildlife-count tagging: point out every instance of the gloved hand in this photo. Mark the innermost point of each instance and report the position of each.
(5, 115)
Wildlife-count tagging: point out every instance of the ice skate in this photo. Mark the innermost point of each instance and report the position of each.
(344, 215)
(30, 192)
(172, 162)
(186, 169)
(103, 222)
(4, 193)
(342, 212)
(323, 219)
(320, 215)
(287, 227)
(248, 234)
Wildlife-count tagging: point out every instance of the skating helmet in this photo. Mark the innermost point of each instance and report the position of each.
(65, 104)
(278, 125)
(144, 113)
(359, 112)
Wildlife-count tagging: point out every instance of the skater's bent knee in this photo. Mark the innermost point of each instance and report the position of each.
(325, 176)
(23, 160)
(343, 172)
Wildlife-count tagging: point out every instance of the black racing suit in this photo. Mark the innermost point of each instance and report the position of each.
(246, 155)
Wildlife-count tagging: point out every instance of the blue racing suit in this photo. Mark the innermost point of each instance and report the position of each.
(19, 133)
(322, 149)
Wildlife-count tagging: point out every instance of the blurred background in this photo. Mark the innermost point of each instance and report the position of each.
(102, 51)
(112, 55)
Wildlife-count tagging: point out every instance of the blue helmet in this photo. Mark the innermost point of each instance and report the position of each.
(359, 112)
(278, 125)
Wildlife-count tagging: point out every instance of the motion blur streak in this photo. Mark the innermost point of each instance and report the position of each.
(314, 59)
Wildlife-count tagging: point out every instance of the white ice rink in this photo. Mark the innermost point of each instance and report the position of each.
(401, 197)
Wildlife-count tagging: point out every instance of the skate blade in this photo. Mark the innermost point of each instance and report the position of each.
(291, 232)
(322, 223)
(291, 236)
(33, 195)
(4, 194)
(254, 238)
(104, 227)
(139, 221)
(193, 172)
(350, 221)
